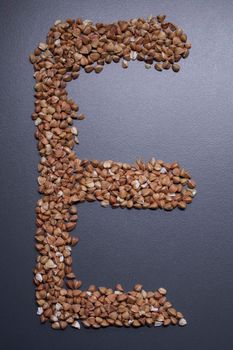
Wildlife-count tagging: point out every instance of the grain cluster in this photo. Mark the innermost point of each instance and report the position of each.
(65, 180)
(151, 185)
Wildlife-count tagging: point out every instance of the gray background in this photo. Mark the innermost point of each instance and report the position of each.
(130, 113)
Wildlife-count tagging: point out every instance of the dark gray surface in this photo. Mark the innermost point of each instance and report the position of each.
(131, 113)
